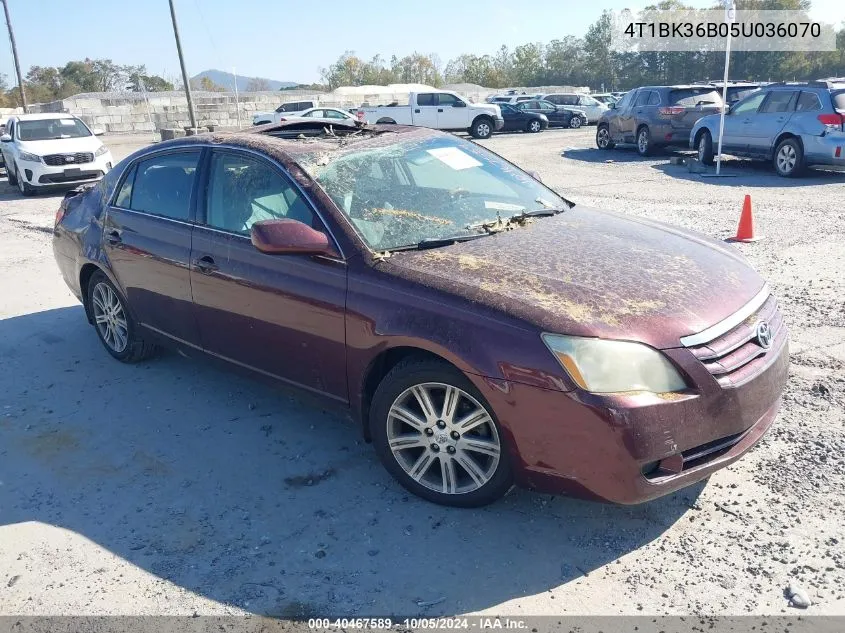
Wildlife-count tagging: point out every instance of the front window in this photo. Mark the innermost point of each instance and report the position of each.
(749, 105)
(51, 129)
(424, 188)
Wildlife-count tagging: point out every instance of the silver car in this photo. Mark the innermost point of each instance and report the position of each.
(792, 124)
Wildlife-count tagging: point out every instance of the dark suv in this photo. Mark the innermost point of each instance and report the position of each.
(655, 116)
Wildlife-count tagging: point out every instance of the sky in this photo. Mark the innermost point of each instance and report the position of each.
(290, 41)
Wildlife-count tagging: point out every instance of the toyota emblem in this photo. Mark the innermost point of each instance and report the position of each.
(764, 335)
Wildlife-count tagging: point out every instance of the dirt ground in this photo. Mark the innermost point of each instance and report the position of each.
(173, 487)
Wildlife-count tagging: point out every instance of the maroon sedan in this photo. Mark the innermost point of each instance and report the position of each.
(484, 330)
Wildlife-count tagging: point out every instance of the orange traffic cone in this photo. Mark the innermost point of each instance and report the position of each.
(745, 230)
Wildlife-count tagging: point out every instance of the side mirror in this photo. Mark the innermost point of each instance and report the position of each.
(6, 138)
(459, 104)
(289, 237)
(98, 131)
(612, 105)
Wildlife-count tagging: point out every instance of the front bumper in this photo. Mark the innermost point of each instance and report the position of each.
(630, 448)
(43, 175)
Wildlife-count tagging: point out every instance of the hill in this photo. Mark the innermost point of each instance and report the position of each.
(227, 80)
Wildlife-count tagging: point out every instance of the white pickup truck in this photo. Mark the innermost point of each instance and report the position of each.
(441, 110)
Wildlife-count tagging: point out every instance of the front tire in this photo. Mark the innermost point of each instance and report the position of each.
(24, 187)
(113, 322)
(705, 148)
(789, 158)
(481, 128)
(575, 122)
(643, 141)
(438, 437)
(603, 140)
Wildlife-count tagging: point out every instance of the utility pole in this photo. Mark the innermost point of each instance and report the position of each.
(182, 64)
(15, 54)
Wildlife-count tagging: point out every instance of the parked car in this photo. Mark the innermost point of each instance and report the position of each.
(291, 108)
(605, 97)
(43, 150)
(557, 116)
(512, 99)
(656, 116)
(590, 106)
(518, 119)
(483, 330)
(792, 124)
(321, 113)
(441, 110)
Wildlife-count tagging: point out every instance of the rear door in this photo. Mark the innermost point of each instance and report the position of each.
(769, 121)
(425, 110)
(281, 315)
(147, 234)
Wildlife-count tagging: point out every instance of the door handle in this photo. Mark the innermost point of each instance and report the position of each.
(440, 109)
(113, 237)
(417, 111)
(206, 265)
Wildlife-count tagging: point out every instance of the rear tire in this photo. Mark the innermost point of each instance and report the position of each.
(705, 148)
(534, 126)
(789, 158)
(603, 138)
(481, 128)
(113, 322)
(432, 447)
(644, 141)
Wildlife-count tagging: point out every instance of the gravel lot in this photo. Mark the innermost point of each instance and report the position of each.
(173, 487)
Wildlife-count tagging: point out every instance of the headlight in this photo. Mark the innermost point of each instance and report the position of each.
(102, 150)
(603, 366)
(33, 158)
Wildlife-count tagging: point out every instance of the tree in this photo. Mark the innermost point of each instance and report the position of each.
(257, 84)
(206, 84)
(417, 69)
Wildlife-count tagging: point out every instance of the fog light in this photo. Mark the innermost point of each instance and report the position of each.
(28, 173)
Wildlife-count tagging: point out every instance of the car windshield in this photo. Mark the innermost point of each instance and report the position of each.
(51, 129)
(425, 188)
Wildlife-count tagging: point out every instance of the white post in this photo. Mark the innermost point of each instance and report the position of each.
(237, 103)
(730, 16)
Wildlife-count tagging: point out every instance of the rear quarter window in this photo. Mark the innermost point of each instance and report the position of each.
(691, 97)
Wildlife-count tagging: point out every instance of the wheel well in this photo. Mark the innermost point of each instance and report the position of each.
(785, 136)
(84, 277)
(698, 136)
(379, 368)
(479, 117)
(641, 126)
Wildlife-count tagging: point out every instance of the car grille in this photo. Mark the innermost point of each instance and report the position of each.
(736, 356)
(57, 160)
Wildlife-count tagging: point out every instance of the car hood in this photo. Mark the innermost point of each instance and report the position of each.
(593, 273)
(61, 145)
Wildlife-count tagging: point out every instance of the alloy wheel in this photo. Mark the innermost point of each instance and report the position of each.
(21, 183)
(575, 122)
(642, 141)
(787, 158)
(603, 137)
(701, 151)
(483, 129)
(443, 438)
(110, 317)
(535, 126)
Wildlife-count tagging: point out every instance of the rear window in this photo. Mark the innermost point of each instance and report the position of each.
(563, 99)
(691, 97)
(839, 100)
(295, 106)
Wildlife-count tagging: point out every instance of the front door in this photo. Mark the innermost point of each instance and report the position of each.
(738, 123)
(147, 239)
(282, 315)
(451, 112)
(622, 124)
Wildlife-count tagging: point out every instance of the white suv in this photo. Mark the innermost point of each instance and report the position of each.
(41, 150)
